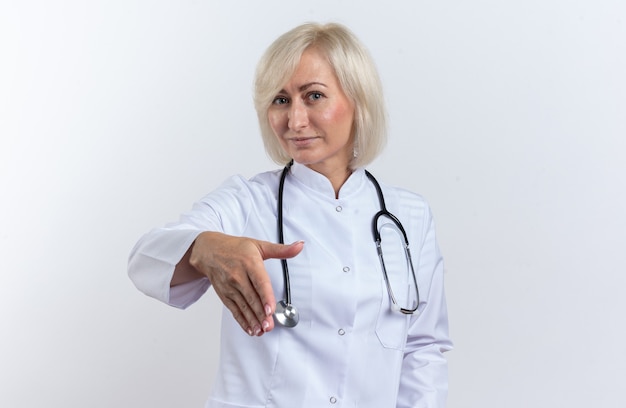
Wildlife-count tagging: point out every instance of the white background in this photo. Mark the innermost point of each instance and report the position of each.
(509, 116)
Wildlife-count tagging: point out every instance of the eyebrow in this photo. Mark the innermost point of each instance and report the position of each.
(310, 84)
(306, 86)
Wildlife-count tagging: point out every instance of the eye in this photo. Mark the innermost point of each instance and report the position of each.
(315, 96)
(280, 100)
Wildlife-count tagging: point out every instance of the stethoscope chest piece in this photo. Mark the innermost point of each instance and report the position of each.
(286, 314)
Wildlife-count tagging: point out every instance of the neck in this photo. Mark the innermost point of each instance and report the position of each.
(338, 180)
(336, 176)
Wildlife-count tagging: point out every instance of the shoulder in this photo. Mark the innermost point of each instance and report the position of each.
(231, 205)
(409, 206)
(237, 196)
(402, 197)
(268, 179)
(238, 187)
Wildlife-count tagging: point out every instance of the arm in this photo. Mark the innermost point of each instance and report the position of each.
(153, 260)
(184, 272)
(177, 263)
(233, 265)
(424, 377)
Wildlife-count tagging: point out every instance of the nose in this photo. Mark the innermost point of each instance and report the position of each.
(298, 116)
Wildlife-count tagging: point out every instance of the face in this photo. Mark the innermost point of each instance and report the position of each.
(312, 117)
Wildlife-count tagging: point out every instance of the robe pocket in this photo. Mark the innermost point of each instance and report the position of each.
(392, 326)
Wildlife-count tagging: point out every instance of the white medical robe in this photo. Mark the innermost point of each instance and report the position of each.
(349, 348)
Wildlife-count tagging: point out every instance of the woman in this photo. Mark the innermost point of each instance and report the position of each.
(359, 337)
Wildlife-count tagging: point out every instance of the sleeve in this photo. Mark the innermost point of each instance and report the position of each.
(153, 259)
(424, 376)
(152, 262)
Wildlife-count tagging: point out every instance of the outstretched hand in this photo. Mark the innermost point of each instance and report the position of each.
(234, 265)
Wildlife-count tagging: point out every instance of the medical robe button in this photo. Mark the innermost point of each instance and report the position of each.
(346, 269)
(333, 400)
(338, 208)
(341, 332)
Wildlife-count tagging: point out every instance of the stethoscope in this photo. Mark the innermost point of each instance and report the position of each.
(286, 313)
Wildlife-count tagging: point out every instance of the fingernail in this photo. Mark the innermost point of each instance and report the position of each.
(249, 331)
(257, 330)
(298, 242)
(266, 325)
(268, 310)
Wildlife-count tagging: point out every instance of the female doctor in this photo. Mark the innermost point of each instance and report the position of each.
(351, 312)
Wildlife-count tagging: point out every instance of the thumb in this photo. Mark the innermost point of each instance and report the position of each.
(279, 251)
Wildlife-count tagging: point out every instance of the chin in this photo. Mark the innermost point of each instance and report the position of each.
(304, 159)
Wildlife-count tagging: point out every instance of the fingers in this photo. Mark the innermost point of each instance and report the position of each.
(238, 294)
(243, 313)
(235, 267)
(257, 302)
(280, 251)
(262, 283)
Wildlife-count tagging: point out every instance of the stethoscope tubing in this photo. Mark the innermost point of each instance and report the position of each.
(281, 238)
(378, 240)
(286, 314)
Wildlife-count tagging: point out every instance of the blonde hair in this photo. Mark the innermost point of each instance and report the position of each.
(355, 71)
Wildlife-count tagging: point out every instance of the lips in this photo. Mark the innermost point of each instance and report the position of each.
(299, 138)
(303, 141)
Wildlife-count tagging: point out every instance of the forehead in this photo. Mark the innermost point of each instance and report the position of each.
(313, 66)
